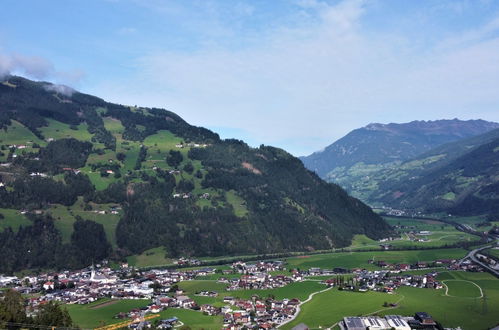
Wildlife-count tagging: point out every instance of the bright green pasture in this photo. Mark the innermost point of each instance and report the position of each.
(329, 307)
(58, 130)
(17, 133)
(14, 219)
(152, 257)
(237, 203)
(493, 252)
(441, 233)
(194, 319)
(86, 316)
(462, 288)
(112, 125)
(300, 290)
(360, 259)
(64, 218)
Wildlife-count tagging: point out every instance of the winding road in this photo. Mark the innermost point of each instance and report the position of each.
(303, 302)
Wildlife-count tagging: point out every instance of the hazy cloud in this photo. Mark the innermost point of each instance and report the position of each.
(33, 66)
(39, 68)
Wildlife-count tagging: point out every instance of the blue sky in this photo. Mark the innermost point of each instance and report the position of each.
(297, 74)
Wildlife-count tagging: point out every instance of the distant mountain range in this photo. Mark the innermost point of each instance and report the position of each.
(83, 179)
(411, 166)
(385, 143)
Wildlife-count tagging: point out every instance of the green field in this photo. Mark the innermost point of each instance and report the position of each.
(194, 319)
(90, 316)
(360, 259)
(441, 233)
(462, 288)
(17, 133)
(300, 290)
(57, 130)
(148, 258)
(329, 307)
(493, 252)
(14, 219)
(64, 218)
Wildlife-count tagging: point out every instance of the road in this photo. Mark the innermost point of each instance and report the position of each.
(472, 256)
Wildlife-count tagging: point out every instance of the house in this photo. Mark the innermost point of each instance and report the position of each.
(424, 319)
(48, 286)
(155, 309)
(185, 302)
(209, 309)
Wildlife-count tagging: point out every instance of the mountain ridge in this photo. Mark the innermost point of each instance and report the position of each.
(382, 143)
(156, 181)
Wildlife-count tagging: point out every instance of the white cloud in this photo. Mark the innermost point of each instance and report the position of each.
(38, 68)
(303, 87)
(33, 66)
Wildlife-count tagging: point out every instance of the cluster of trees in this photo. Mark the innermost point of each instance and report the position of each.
(37, 192)
(174, 158)
(153, 120)
(96, 127)
(140, 158)
(13, 314)
(40, 246)
(56, 156)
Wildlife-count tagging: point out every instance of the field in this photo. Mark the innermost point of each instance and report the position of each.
(300, 290)
(360, 259)
(13, 219)
(493, 252)
(151, 257)
(466, 311)
(92, 315)
(194, 319)
(65, 217)
(441, 234)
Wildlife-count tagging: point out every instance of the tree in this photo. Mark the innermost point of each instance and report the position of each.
(174, 158)
(53, 315)
(12, 308)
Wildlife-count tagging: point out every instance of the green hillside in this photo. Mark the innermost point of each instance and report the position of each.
(458, 177)
(100, 180)
(465, 185)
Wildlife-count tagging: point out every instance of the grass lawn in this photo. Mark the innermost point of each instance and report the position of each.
(14, 219)
(65, 218)
(493, 252)
(58, 130)
(194, 319)
(237, 203)
(87, 316)
(329, 307)
(441, 233)
(300, 290)
(151, 257)
(462, 288)
(17, 133)
(360, 259)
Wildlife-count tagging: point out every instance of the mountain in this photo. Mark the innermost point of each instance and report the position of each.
(379, 144)
(83, 179)
(459, 178)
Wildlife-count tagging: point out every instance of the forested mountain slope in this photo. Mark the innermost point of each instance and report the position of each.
(83, 179)
(459, 178)
(375, 145)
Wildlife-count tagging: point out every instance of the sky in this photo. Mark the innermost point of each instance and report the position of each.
(296, 74)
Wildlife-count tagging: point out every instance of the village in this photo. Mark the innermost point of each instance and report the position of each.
(161, 287)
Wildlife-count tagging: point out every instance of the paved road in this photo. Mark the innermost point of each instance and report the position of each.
(472, 256)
